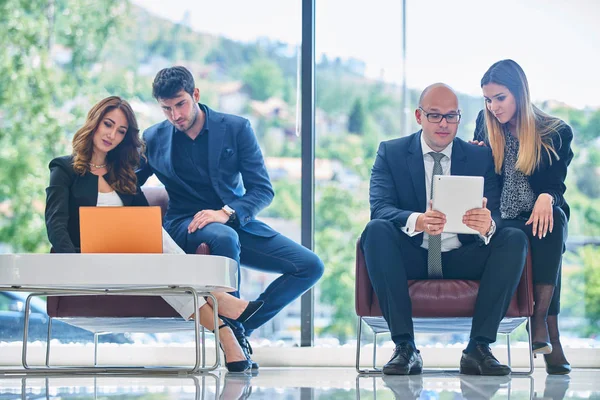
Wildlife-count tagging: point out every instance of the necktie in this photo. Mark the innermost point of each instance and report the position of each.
(434, 254)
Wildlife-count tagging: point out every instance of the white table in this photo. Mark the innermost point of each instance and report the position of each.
(117, 274)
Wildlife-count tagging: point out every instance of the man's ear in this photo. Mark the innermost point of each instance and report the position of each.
(418, 116)
(196, 95)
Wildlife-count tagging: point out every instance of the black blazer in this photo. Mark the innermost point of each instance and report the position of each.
(397, 186)
(66, 193)
(546, 178)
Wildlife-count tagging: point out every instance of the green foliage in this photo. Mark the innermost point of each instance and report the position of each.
(264, 78)
(32, 91)
(357, 118)
(341, 217)
(590, 257)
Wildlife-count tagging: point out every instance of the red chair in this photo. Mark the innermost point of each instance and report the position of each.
(439, 305)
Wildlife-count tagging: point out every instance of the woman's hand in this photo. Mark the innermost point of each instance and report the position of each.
(477, 142)
(541, 216)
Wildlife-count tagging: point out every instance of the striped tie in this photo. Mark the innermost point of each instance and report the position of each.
(434, 254)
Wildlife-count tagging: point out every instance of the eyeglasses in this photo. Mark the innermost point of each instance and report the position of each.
(452, 118)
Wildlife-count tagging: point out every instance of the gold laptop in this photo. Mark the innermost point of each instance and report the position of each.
(120, 229)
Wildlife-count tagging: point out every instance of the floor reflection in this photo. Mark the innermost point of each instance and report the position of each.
(304, 383)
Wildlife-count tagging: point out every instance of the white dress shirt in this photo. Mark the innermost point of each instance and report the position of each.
(449, 240)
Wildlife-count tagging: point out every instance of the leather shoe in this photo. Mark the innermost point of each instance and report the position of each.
(481, 361)
(235, 366)
(406, 360)
(247, 349)
(557, 369)
(541, 347)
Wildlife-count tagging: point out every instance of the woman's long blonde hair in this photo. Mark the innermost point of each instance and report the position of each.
(123, 160)
(534, 127)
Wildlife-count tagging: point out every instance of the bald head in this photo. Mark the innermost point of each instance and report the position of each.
(438, 115)
(437, 91)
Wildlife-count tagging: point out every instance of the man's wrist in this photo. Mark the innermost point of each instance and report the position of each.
(230, 212)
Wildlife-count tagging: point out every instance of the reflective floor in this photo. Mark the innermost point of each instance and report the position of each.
(304, 383)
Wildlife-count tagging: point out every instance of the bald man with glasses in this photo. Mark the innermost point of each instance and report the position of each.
(404, 238)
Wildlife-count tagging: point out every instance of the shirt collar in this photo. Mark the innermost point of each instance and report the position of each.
(426, 149)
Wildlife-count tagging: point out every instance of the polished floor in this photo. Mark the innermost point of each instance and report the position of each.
(304, 383)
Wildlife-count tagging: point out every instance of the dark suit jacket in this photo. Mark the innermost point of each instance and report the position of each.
(236, 168)
(66, 193)
(546, 178)
(398, 180)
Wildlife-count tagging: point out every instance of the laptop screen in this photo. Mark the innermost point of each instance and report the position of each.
(120, 229)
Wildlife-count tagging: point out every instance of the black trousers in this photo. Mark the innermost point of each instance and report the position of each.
(393, 258)
(546, 253)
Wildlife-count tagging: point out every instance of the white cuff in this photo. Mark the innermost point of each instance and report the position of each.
(486, 239)
(411, 224)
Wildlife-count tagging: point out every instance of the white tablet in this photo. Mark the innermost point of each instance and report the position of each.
(454, 195)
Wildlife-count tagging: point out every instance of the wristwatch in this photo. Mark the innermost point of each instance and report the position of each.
(230, 212)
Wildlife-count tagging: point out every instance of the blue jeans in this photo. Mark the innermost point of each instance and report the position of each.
(299, 267)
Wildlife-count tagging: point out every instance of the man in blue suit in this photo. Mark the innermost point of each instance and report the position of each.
(214, 172)
(404, 238)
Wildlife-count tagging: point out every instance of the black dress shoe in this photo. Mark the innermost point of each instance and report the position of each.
(406, 360)
(247, 349)
(481, 361)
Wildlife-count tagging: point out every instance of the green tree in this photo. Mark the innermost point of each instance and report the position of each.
(590, 257)
(32, 91)
(357, 118)
(264, 78)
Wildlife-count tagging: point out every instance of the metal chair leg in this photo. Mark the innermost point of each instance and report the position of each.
(48, 338)
(530, 348)
(508, 348)
(358, 348)
(374, 350)
(95, 349)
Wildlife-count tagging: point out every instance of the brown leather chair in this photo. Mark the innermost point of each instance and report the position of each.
(438, 305)
(119, 306)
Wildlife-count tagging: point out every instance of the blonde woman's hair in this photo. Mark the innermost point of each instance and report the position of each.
(534, 127)
(123, 160)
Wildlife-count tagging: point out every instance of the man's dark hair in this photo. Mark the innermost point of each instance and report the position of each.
(170, 81)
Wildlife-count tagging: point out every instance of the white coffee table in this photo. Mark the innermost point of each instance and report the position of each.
(118, 274)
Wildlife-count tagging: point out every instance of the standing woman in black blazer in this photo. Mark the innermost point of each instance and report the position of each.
(101, 172)
(531, 153)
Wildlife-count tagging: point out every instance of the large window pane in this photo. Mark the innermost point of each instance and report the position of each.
(359, 103)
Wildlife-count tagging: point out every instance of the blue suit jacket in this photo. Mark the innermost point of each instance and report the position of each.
(235, 164)
(398, 179)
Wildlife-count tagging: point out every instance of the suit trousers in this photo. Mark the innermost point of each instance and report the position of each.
(299, 267)
(393, 258)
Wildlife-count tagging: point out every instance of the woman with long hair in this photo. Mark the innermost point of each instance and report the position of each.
(101, 172)
(532, 151)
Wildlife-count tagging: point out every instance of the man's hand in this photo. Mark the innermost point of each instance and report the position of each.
(431, 222)
(541, 216)
(205, 217)
(479, 219)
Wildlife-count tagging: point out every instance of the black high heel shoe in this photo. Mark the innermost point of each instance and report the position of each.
(235, 366)
(250, 310)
